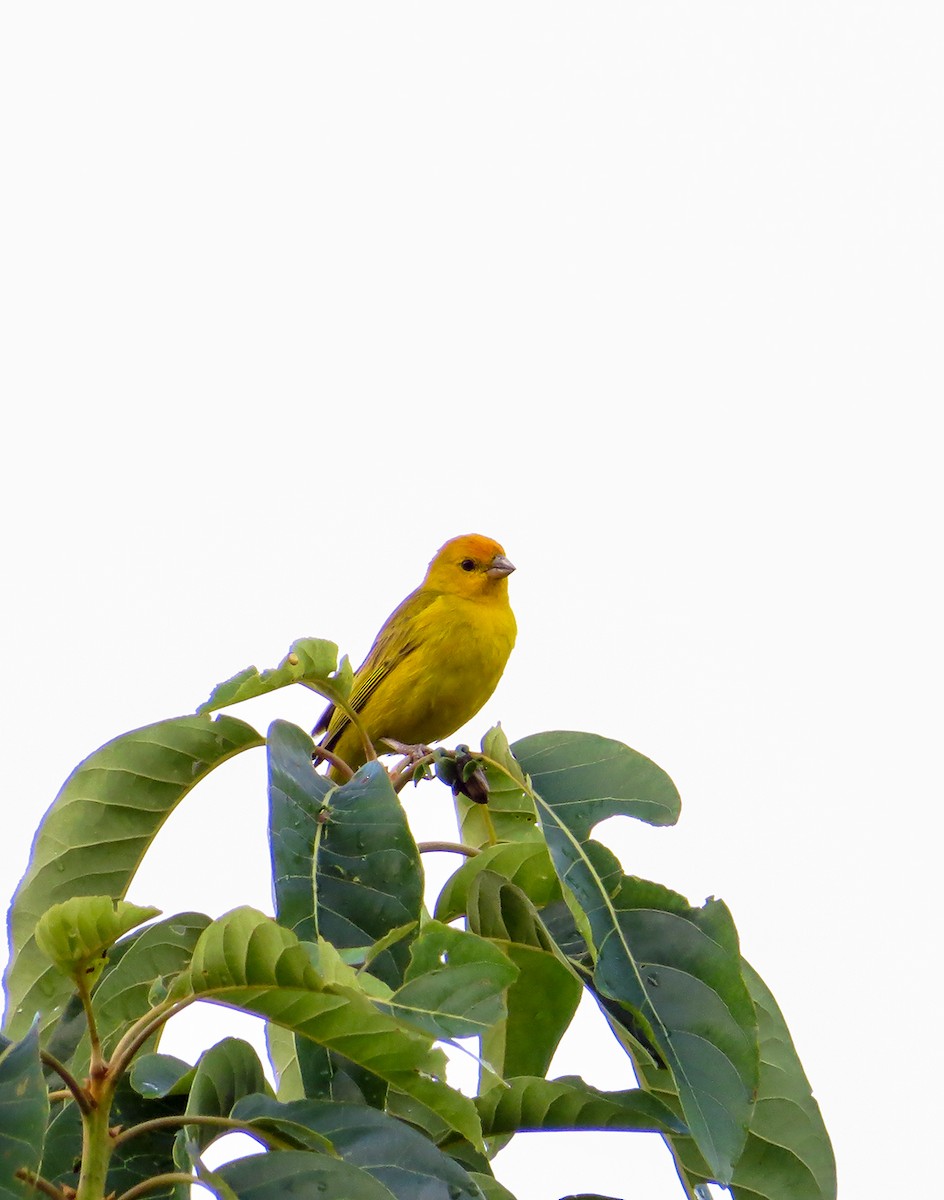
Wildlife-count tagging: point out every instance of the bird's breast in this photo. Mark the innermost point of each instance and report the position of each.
(454, 669)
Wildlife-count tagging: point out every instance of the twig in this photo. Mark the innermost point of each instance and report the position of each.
(40, 1184)
(401, 776)
(159, 1181)
(78, 1092)
(273, 1141)
(142, 1029)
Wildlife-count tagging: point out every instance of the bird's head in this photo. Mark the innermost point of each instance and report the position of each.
(471, 565)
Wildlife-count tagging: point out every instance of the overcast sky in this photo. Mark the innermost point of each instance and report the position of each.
(651, 294)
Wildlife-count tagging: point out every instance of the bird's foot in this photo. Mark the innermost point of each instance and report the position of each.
(413, 754)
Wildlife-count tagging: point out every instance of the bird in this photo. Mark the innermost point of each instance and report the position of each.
(437, 658)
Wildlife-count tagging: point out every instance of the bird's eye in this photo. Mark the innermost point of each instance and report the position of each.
(467, 564)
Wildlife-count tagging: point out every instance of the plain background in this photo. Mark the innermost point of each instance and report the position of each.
(651, 293)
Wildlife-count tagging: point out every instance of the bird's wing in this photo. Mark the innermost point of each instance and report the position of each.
(399, 637)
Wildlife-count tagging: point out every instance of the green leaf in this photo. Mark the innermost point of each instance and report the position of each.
(567, 1104)
(78, 933)
(490, 1187)
(310, 661)
(297, 797)
(590, 1196)
(248, 961)
(399, 1157)
(455, 983)
(95, 834)
(674, 967)
(24, 1111)
(587, 778)
(510, 807)
(67, 1040)
(542, 1001)
(150, 1153)
(62, 1147)
(155, 1076)
(296, 1172)
(345, 865)
(353, 841)
(368, 872)
(788, 1155)
(224, 1074)
(157, 954)
(527, 864)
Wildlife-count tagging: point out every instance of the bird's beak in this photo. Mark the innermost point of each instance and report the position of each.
(500, 566)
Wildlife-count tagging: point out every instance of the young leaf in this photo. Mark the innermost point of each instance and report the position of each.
(96, 832)
(310, 661)
(78, 933)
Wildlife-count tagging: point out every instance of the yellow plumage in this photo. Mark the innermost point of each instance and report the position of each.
(438, 657)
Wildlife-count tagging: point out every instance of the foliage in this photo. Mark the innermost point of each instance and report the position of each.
(358, 984)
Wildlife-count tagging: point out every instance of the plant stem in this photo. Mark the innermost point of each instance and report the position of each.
(401, 776)
(96, 1142)
(179, 1119)
(38, 1183)
(324, 755)
(78, 1092)
(96, 1062)
(351, 714)
(448, 848)
(141, 1030)
(158, 1181)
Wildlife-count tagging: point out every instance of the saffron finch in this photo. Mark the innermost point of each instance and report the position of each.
(438, 657)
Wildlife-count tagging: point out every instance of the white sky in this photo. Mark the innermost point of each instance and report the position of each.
(647, 292)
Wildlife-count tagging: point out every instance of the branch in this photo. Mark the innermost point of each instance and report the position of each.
(402, 775)
(78, 1092)
(40, 1184)
(141, 1030)
(270, 1140)
(159, 1181)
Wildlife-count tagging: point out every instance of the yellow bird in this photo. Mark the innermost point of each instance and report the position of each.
(438, 657)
